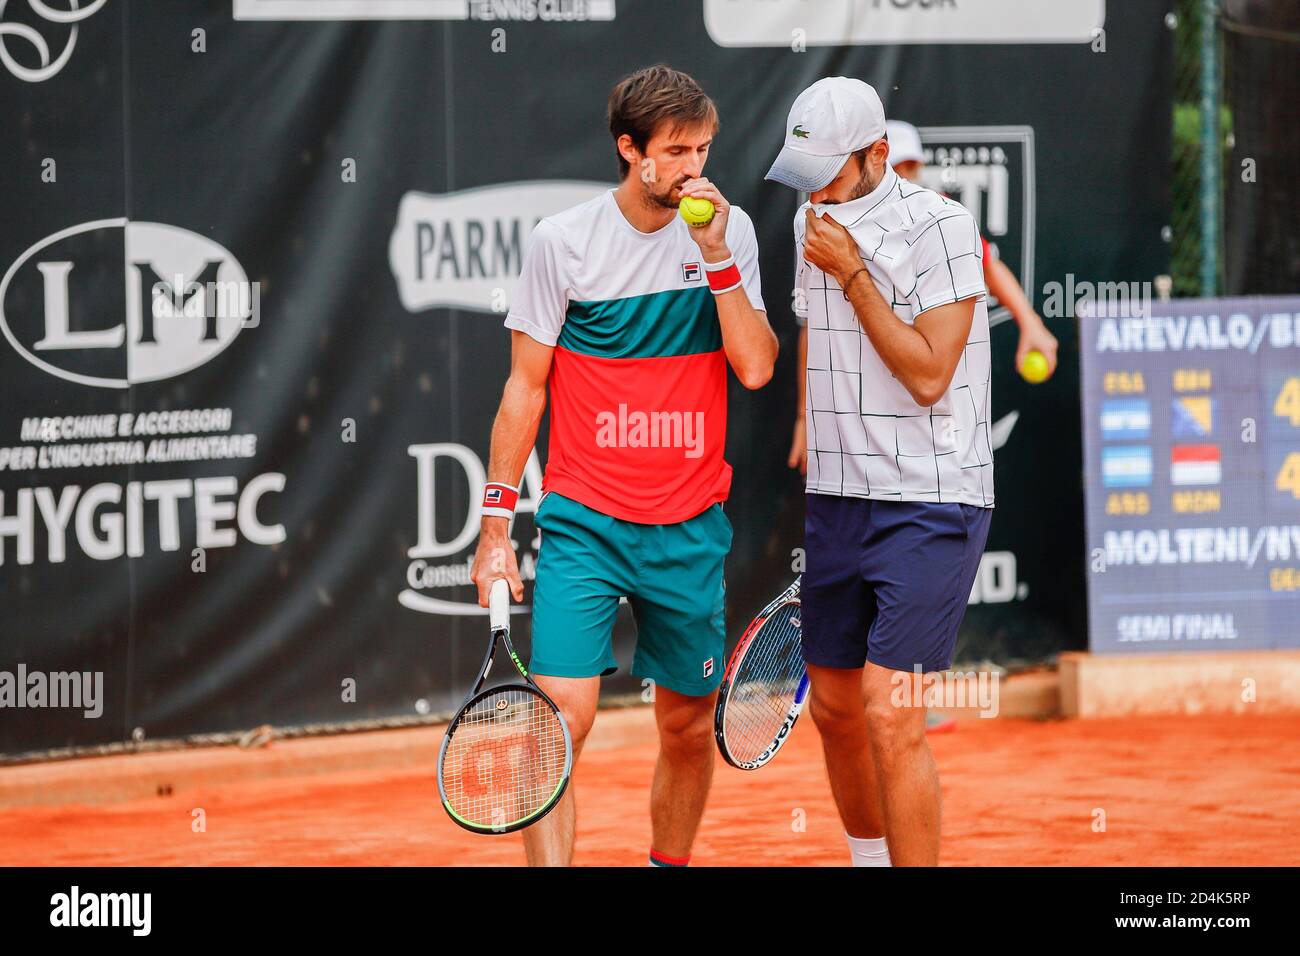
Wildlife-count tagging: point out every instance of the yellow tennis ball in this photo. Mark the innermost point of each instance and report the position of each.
(696, 212)
(1034, 369)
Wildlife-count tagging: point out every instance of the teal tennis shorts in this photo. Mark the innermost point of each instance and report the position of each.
(671, 575)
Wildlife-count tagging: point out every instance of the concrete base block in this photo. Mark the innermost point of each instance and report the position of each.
(1236, 682)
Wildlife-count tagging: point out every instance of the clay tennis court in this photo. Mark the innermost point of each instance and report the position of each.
(1189, 791)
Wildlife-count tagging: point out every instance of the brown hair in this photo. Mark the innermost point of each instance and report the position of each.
(861, 154)
(658, 94)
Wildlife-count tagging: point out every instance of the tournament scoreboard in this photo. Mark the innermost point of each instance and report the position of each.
(1192, 473)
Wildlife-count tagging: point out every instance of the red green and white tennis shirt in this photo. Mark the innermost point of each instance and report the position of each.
(638, 382)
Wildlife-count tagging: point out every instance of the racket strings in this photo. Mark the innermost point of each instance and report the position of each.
(763, 689)
(505, 759)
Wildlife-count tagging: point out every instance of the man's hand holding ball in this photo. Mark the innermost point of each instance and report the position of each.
(705, 211)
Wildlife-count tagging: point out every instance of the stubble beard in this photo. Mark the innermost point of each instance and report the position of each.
(865, 184)
(657, 200)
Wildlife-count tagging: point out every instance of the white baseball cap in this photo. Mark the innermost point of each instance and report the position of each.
(904, 143)
(828, 122)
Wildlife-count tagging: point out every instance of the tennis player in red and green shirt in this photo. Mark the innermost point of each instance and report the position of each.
(629, 318)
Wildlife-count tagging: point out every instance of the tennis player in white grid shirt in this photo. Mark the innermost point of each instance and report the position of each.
(890, 286)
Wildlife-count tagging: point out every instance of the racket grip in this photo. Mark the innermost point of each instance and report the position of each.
(499, 604)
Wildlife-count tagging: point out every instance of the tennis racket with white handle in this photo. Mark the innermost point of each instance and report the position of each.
(507, 754)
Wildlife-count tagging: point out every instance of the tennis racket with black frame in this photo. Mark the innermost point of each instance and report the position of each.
(507, 755)
(765, 685)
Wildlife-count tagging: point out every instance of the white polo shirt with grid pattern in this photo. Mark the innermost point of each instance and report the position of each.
(867, 436)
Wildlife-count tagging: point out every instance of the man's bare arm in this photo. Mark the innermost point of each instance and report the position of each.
(798, 457)
(747, 338)
(514, 432)
(1034, 335)
(924, 355)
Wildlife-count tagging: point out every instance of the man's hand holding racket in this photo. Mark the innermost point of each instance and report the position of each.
(494, 559)
(714, 235)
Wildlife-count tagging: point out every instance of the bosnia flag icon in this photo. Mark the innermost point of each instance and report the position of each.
(1193, 417)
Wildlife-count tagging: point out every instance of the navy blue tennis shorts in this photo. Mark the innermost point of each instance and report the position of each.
(887, 581)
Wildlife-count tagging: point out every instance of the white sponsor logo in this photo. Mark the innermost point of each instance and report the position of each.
(445, 562)
(424, 9)
(1000, 432)
(107, 521)
(464, 250)
(177, 312)
(995, 582)
(48, 66)
(971, 164)
(871, 22)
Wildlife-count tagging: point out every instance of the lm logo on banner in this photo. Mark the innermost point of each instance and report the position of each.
(180, 299)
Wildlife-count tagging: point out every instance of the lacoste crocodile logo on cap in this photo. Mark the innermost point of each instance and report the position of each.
(799, 132)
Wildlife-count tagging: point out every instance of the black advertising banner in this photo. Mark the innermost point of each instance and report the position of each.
(1192, 423)
(256, 255)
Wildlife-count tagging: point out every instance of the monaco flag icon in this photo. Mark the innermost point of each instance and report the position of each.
(1195, 465)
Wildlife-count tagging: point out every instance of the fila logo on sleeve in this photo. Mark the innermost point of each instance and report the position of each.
(691, 272)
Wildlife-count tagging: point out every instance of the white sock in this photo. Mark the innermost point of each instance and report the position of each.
(868, 851)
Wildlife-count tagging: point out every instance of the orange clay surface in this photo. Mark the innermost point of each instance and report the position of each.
(1174, 791)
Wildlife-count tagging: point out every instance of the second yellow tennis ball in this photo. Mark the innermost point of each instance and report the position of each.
(1034, 369)
(696, 212)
